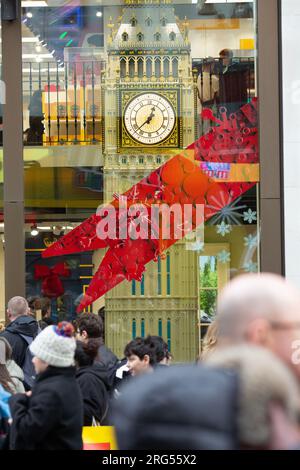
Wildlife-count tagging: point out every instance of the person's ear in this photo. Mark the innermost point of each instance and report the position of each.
(146, 359)
(84, 334)
(258, 332)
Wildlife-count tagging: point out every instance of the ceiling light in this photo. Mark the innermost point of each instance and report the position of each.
(99, 14)
(34, 230)
(34, 39)
(29, 14)
(33, 3)
(32, 56)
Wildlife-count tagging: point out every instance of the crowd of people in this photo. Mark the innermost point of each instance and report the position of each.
(243, 392)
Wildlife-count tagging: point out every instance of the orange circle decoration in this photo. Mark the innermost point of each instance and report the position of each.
(172, 173)
(195, 184)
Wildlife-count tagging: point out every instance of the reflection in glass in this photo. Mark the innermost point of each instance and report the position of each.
(208, 271)
(81, 71)
(208, 301)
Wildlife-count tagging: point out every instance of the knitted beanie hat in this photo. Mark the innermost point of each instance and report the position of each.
(55, 345)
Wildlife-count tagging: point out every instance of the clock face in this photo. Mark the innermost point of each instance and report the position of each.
(149, 118)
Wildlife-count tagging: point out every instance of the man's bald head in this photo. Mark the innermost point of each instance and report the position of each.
(16, 307)
(253, 296)
(262, 309)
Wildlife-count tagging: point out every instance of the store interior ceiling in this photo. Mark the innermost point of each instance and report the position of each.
(49, 27)
(52, 26)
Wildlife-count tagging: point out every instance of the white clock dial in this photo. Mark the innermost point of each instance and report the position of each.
(149, 118)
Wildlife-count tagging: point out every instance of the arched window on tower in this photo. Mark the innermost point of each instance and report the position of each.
(148, 67)
(157, 67)
(124, 36)
(166, 67)
(175, 67)
(122, 67)
(148, 21)
(131, 68)
(140, 37)
(133, 21)
(157, 37)
(172, 36)
(140, 67)
(163, 21)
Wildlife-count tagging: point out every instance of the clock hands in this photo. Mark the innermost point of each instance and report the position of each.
(149, 118)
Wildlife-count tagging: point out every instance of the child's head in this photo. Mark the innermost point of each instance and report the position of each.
(141, 355)
(54, 346)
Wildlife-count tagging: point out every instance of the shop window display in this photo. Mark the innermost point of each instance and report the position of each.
(175, 121)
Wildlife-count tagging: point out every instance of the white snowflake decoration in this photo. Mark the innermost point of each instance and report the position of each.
(223, 228)
(224, 256)
(250, 267)
(195, 246)
(229, 213)
(250, 216)
(250, 241)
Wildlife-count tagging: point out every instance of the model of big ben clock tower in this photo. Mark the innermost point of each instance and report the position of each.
(149, 116)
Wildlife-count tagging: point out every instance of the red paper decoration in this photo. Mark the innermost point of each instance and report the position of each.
(52, 285)
(181, 181)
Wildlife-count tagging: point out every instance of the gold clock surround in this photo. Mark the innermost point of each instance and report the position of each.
(170, 103)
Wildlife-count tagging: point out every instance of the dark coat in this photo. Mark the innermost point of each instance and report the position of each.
(108, 362)
(178, 407)
(94, 389)
(23, 325)
(52, 418)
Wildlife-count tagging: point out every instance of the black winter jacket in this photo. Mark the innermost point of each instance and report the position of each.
(23, 325)
(52, 418)
(108, 362)
(94, 389)
(178, 407)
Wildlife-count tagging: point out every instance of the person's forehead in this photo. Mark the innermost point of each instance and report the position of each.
(133, 357)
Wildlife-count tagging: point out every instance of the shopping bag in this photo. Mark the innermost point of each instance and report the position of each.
(99, 438)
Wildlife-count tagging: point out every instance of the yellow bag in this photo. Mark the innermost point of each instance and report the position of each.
(99, 438)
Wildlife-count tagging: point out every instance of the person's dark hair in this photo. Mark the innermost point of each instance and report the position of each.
(101, 312)
(86, 353)
(45, 305)
(226, 53)
(5, 379)
(33, 303)
(161, 348)
(90, 323)
(141, 347)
